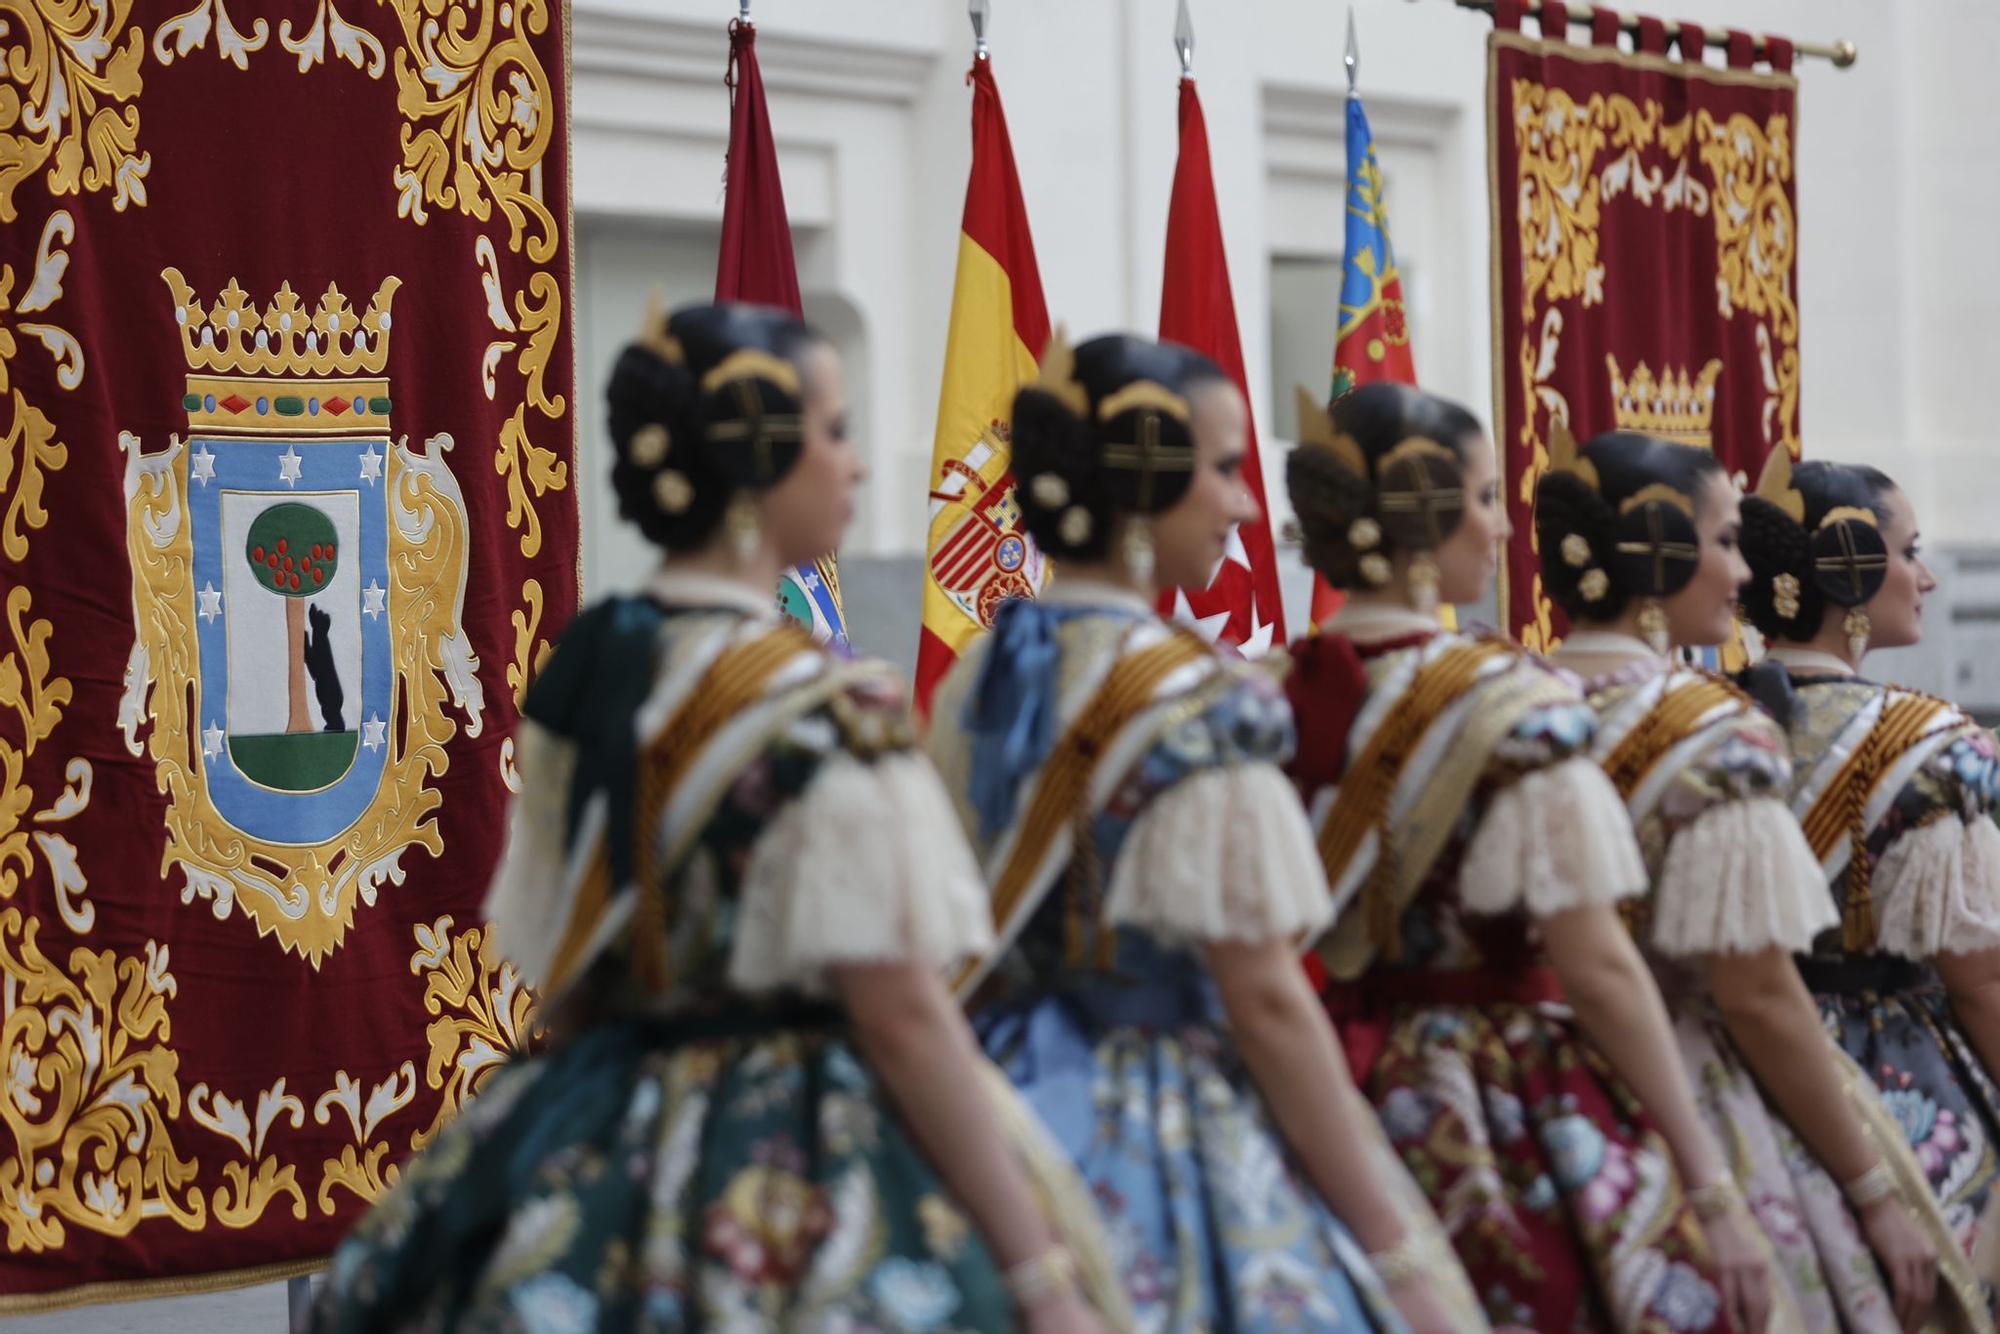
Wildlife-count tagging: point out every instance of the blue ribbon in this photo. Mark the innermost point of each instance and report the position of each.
(1011, 712)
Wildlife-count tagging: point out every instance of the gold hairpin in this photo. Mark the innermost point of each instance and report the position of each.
(1413, 447)
(1842, 513)
(1316, 429)
(752, 363)
(1057, 374)
(1565, 456)
(1774, 484)
(1656, 491)
(1144, 394)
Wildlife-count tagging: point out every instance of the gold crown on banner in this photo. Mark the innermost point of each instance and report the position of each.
(1676, 406)
(232, 336)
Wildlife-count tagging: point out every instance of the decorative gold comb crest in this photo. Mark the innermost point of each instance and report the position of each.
(1057, 376)
(1565, 456)
(233, 336)
(1675, 406)
(1775, 484)
(1316, 429)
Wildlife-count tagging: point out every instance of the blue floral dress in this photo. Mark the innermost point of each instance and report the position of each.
(707, 1148)
(1101, 1012)
(1932, 885)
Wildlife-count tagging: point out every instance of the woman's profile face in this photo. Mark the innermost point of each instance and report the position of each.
(1190, 536)
(807, 513)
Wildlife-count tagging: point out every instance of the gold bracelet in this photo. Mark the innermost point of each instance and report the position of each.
(1720, 1198)
(1871, 1187)
(1407, 1259)
(1049, 1275)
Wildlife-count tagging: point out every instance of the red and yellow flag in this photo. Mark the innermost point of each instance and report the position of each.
(978, 554)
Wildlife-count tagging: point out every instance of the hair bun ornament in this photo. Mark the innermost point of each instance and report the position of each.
(1316, 431)
(1419, 493)
(1850, 559)
(751, 411)
(1658, 547)
(1056, 375)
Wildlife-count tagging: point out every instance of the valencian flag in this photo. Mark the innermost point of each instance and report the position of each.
(977, 551)
(756, 265)
(286, 437)
(1242, 604)
(1372, 341)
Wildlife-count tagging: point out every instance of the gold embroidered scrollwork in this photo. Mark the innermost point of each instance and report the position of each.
(69, 85)
(483, 1013)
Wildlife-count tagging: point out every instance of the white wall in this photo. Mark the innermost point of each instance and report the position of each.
(1899, 180)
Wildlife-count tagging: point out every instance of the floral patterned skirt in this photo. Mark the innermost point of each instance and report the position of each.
(1558, 1193)
(1907, 1041)
(1821, 1253)
(1206, 1219)
(635, 1179)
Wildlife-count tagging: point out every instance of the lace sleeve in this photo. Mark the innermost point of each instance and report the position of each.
(1740, 878)
(867, 864)
(1555, 838)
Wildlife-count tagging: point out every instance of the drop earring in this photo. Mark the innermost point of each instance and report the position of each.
(1138, 550)
(745, 532)
(1857, 627)
(1653, 626)
(1424, 578)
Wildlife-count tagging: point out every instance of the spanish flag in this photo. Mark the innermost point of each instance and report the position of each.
(978, 554)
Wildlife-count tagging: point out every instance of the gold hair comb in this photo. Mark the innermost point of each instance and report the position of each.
(1057, 375)
(1565, 456)
(653, 333)
(1316, 429)
(1144, 394)
(1775, 484)
(752, 363)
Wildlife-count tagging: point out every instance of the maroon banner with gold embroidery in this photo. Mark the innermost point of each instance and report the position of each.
(1645, 245)
(286, 389)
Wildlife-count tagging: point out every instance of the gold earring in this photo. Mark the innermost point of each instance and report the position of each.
(1424, 579)
(1138, 544)
(745, 531)
(1653, 626)
(1857, 627)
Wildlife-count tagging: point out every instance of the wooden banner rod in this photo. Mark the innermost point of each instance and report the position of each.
(1841, 53)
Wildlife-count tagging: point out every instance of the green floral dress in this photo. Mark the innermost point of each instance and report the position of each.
(709, 1149)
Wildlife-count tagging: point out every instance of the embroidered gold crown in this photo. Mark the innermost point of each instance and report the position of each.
(232, 336)
(1675, 406)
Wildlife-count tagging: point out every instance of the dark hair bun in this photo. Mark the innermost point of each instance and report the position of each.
(1403, 489)
(1621, 526)
(1576, 531)
(1835, 557)
(707, 404)
(1078, 468)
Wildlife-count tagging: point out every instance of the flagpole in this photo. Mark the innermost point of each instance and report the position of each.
(1842, 53)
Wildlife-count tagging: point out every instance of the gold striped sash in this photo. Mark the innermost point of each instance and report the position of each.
(1363, 800)
(1842, 806)
(1669, 723)
(737, 679)
(1063, 787)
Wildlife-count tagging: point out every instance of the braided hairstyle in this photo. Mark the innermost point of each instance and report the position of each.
(1381, 442)
(1104, 433)
(1619, 523)
(1796, 563)
(708, 403)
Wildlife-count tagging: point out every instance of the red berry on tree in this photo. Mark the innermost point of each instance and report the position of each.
(319, 574)
(281, 546)
(257, 555)
(294, 581)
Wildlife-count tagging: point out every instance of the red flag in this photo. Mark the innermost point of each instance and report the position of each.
(756, 265)
(978, 554)
(1242, 605)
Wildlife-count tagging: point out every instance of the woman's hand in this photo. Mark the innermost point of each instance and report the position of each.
(1744, 1268)
(1907, 1257)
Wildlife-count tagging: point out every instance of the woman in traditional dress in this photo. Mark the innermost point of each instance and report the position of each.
(1640, 547)
(1478, 856)
(1895, 791)
(1152, 878)
(735, 884)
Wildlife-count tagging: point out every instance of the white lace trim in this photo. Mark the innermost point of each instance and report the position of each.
(1555, 839)
(1937, 889)
(1740, 878)
(1222, 855)
(867, 865)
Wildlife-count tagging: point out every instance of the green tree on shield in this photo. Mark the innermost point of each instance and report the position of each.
(292, 551)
